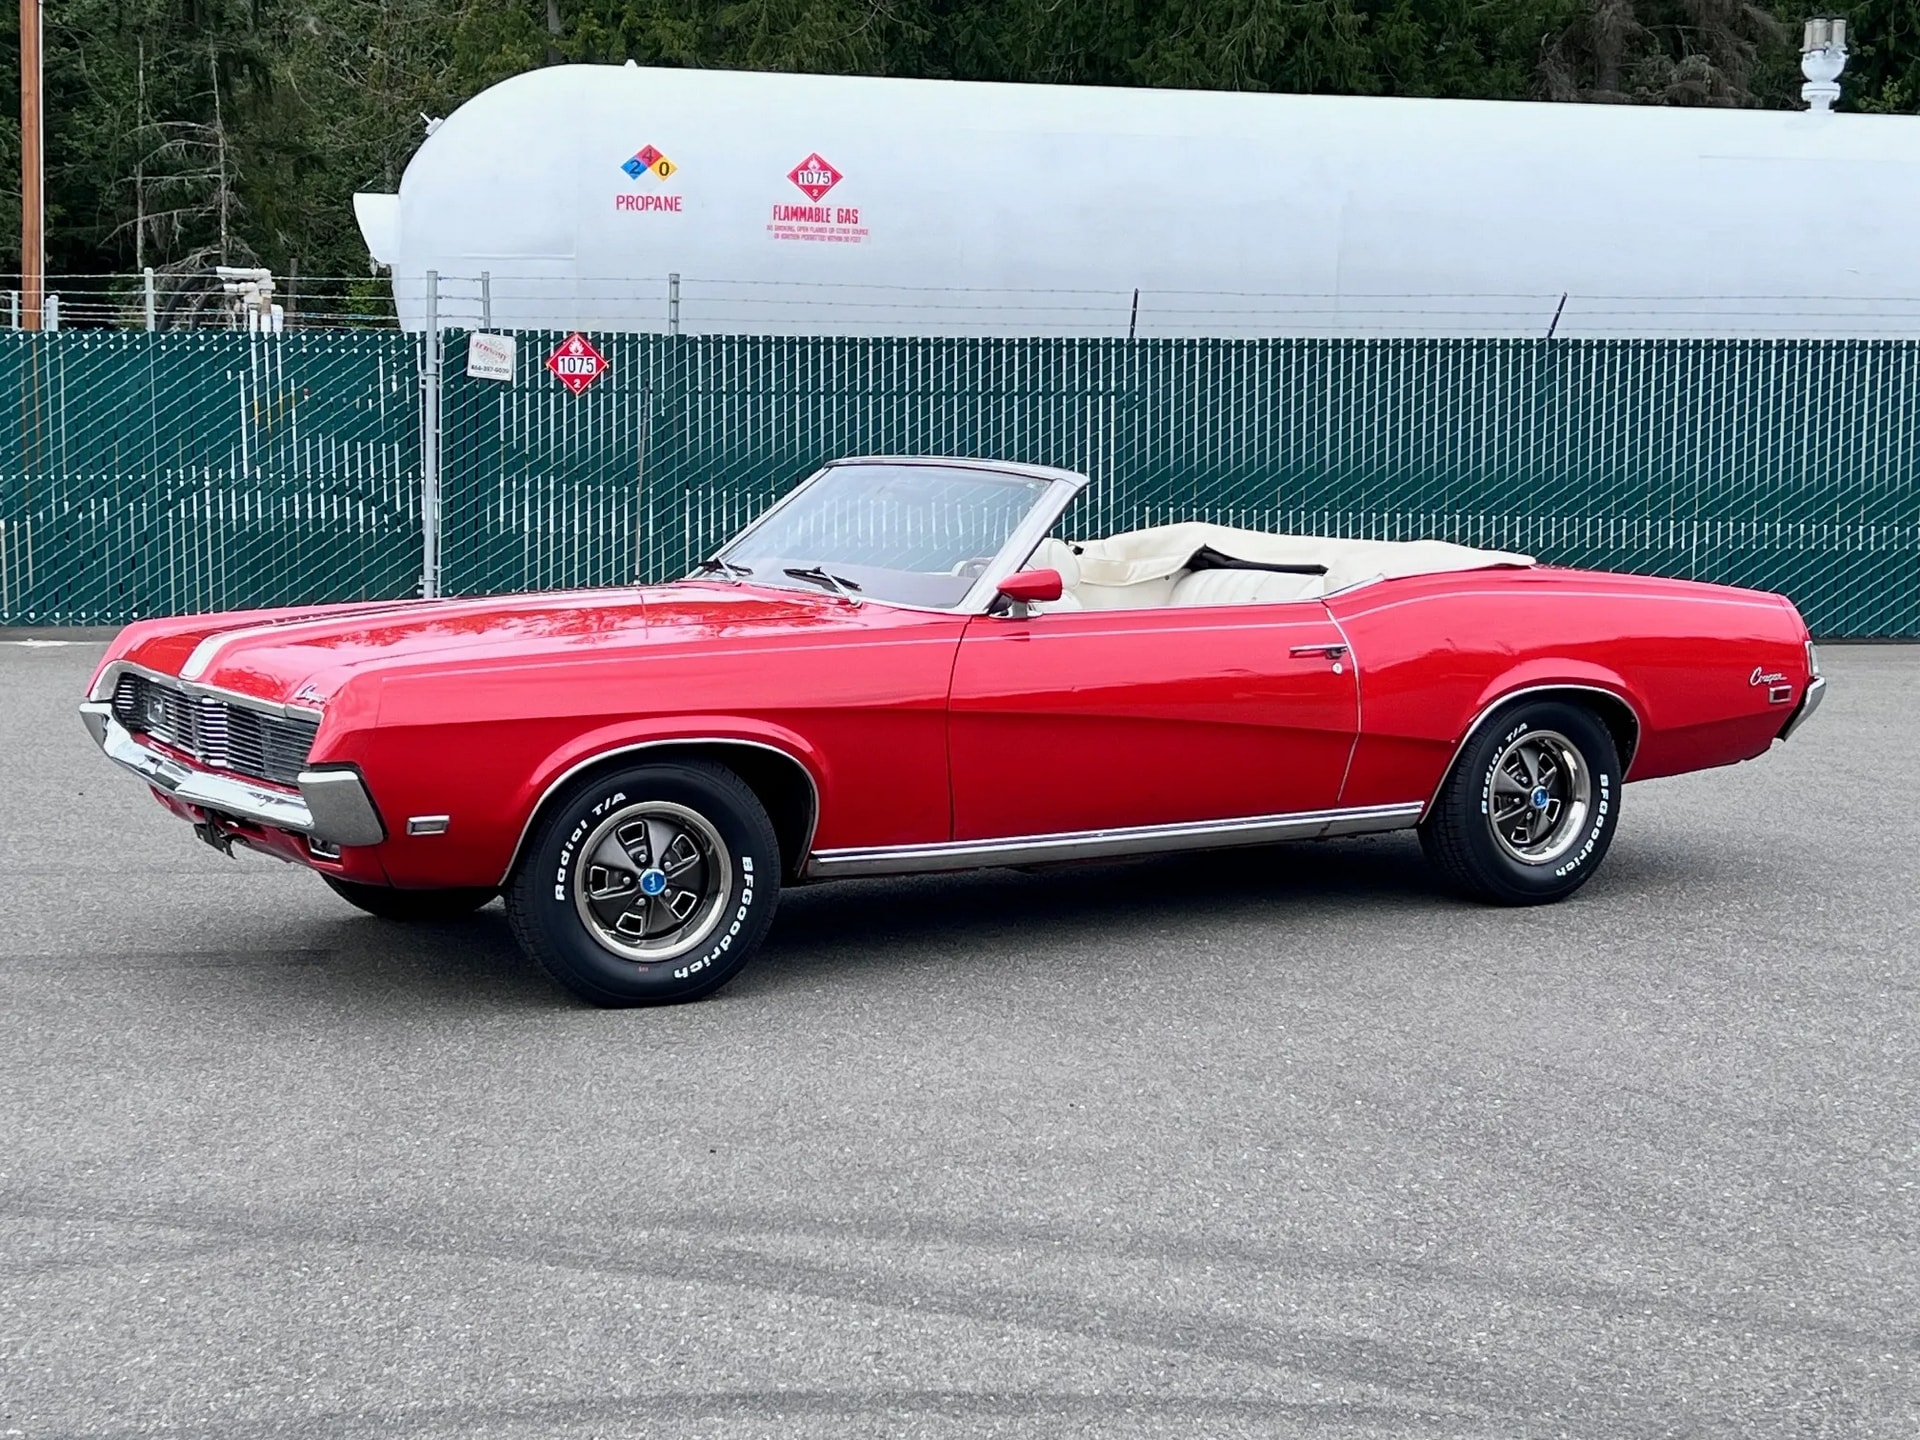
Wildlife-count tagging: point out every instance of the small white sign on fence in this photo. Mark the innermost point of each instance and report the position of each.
(490, 357)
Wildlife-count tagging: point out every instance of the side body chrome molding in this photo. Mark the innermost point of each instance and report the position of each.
(1109, 844)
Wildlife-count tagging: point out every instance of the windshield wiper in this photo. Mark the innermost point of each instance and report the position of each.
(822, 577)
(725, 567)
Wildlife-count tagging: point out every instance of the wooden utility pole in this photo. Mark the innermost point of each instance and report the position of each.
(33, 174)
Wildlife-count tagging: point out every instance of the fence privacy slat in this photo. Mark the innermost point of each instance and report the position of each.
(150, 474)
(147, 475)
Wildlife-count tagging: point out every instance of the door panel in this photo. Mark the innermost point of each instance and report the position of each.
(1089, 720)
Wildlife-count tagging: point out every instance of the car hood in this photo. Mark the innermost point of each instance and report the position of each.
(303, 656)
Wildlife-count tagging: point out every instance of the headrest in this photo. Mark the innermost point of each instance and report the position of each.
(1052, 554)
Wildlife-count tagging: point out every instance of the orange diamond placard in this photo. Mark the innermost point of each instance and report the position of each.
(575, 363)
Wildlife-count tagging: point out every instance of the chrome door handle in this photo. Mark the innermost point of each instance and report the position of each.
(1332, 652)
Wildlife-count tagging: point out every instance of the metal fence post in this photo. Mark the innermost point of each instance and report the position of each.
(673, 303)
(486, 299)
(147, 297)
(430, 445)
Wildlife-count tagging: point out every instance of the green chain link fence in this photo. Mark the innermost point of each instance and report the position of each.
(151, 474)
(158, 474)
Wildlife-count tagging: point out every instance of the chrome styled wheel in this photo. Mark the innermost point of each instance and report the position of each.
(1528, 810)
(1539, 795)
(653, 881)
(647, 885)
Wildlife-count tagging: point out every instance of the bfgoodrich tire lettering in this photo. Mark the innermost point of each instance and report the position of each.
(648, 885)
(1530, 807)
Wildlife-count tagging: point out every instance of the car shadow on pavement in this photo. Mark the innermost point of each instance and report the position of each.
(1335, 885)
(472, 961)
(1174, 888)
(848, 926)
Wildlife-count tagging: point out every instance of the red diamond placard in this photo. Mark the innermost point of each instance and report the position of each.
(814, 176)
(576, 364)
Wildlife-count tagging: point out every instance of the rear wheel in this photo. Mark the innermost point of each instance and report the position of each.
(648, 885)
(1529, 810)
(391, 904)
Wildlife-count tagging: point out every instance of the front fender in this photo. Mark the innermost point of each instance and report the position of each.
(489, 781)
(607, 740)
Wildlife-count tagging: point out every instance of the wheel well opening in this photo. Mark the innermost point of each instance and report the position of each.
(1622, 724)
(1613, 712)
(1619, 719)
(780, 782)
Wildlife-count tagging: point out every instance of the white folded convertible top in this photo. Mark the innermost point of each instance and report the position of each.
(1142, 555)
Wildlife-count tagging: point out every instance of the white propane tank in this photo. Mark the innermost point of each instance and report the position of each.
(827, 205)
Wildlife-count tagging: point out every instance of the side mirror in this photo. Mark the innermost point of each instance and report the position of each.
(1018, 593)
(1031, 585)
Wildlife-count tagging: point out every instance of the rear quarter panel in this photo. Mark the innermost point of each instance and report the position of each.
(1435, 652)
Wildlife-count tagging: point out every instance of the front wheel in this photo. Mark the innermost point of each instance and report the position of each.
(1530, 807)
(648, 885)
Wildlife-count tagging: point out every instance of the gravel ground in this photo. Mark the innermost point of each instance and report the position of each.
(1283, 1142)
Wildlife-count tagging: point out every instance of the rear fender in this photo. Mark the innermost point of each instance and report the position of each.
(1598, 682)
(1600, 689)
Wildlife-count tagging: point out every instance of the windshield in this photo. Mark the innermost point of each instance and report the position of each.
(912, 534)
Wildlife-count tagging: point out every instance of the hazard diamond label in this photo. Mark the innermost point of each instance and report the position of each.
(814, 176)
(648, 160)
(576, 364)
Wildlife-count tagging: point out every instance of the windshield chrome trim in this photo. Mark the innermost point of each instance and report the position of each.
(1063, 487)
(1026, 536)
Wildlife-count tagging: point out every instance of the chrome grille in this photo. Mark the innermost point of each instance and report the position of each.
(214, 732)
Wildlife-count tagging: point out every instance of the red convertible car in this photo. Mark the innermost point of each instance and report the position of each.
(898, 669)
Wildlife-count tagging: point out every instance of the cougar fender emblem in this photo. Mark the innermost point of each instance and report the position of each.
(1763, 676)
(310, 695)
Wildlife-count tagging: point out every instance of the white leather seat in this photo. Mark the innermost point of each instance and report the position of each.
(1135, 595)
(1244, 587)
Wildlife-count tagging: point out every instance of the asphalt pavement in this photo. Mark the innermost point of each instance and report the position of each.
(1276, 1143)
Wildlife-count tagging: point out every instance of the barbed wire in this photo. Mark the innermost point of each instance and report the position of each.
(694, 304)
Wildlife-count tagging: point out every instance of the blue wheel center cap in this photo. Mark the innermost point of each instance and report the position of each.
(1538, 800)
(652, 882)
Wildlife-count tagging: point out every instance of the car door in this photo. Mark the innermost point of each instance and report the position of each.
(1109, 719)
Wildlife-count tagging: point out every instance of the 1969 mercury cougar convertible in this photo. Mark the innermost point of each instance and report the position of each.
(898, 668)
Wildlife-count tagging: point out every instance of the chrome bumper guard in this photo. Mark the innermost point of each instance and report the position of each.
(1809, 702)
(333, 805)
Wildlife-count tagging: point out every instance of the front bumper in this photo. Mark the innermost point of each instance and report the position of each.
(333, 805)
(1809, 702)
